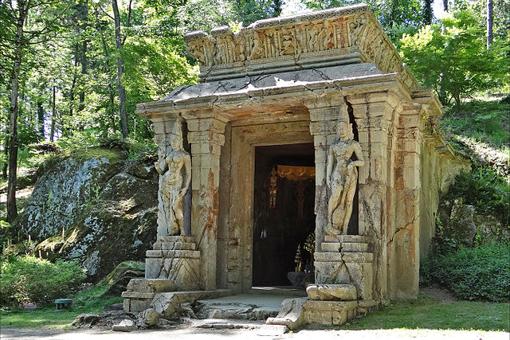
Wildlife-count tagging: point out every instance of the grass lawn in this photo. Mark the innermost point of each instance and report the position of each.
(430, 313)
(88, 301)
(426, 312)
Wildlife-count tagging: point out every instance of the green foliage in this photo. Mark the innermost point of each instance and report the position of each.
(483, 188)
(140, 150)
(427, 312)
(452, 57)
(483, 121)
(480, 273)
(249, 11)
(30, 279)
(91, 300)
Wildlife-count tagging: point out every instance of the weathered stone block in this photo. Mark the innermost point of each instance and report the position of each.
(328, 313)
(331, 292)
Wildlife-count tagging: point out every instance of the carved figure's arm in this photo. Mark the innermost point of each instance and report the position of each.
(360, 161)
(160, 164)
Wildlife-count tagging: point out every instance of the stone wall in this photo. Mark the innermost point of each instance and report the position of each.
(439, 168)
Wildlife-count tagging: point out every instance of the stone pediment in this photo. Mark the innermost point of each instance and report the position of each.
(339, 36)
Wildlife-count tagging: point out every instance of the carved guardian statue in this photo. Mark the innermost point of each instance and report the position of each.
(174, 168)
(342, 177)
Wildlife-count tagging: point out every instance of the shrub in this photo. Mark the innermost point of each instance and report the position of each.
(481, 273)
(483, 188)
(30, 279)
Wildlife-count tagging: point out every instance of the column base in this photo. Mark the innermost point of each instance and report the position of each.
(346, 259)
(175, 258)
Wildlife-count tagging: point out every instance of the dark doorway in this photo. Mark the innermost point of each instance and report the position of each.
(284, 216)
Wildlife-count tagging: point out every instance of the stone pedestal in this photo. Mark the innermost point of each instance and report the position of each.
(174, 258)
(346, 259)
(329, 313)
(140, 292)
(173, 265)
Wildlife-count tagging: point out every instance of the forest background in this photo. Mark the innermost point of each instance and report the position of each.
(72, 72)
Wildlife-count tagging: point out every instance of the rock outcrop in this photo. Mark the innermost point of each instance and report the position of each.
(96, 207)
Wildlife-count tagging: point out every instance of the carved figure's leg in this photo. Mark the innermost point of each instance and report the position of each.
(350, 190)
(333, 204)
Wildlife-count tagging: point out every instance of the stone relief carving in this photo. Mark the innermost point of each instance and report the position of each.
(277, 38)
(342, 177)
(174, 168)
(224, 47)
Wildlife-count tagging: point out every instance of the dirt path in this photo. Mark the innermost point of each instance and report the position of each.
(190, 333)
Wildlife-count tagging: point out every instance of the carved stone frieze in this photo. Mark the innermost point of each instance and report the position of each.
(333, 34)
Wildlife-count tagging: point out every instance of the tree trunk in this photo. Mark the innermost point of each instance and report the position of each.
(428, 13)
(490, 17)
(445, 5)
(71, 89)
(14, 110)
(40, 119)
(82, 16)
(120, 72)
(53, 114)
(6, 153)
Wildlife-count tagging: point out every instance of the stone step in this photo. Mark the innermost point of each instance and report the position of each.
(159, 245)
(346, 239)
(183, 239)
(159, 253)
(233, 311)
(344, 247)
(258, 328)
(356, 257)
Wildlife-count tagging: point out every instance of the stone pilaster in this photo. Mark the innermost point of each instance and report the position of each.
(206, 136)
(404, 246)
(324, 116)
(374, 114)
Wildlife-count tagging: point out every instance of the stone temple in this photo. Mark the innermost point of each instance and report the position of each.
(307, 155)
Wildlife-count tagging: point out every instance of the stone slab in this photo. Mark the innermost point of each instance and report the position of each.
(290, 315)
(150, 286)
(159, 253)
(344, 247)
(346, 238)
(170, 304)
(174, 246)
(359, 257)
(332, 292)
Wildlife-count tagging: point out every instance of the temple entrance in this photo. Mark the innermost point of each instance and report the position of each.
(284, 219)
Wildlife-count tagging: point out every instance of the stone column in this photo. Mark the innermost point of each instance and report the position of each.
(374, 114)
(206, 136)
(174, 258)
(404, 248)
(324, 116)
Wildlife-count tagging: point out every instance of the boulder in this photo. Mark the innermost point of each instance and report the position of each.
(94, 206)
(125, 325)
(149, 318)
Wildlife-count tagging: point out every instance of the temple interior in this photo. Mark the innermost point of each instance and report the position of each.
(283, 212)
